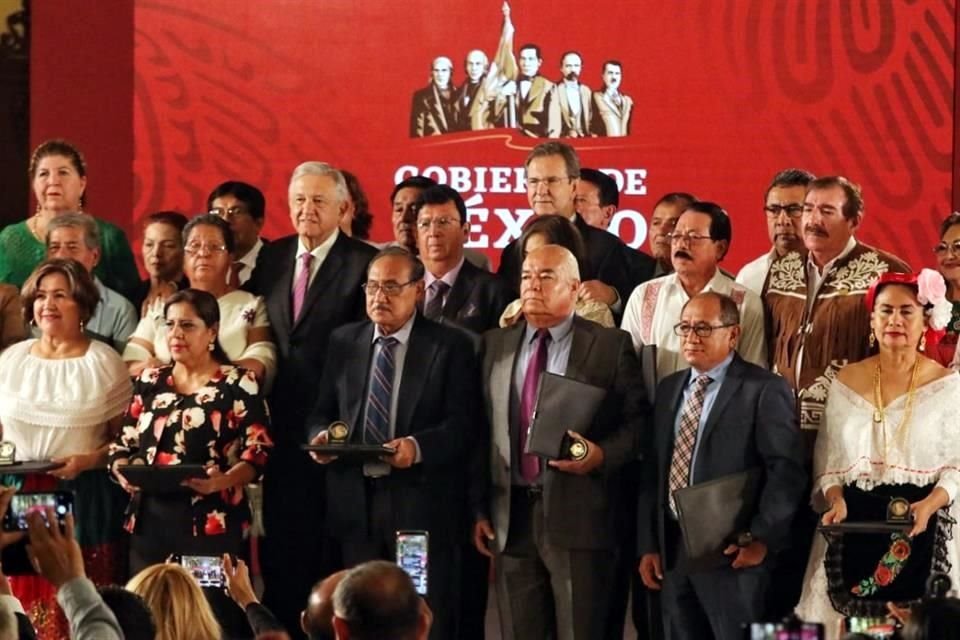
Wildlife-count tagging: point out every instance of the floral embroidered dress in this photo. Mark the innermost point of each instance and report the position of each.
(855, 452)
(220, 424)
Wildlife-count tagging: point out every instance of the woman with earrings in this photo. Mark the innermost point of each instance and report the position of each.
(58, 174)
(244, 330)
(889, 449)
(61, 399)
(947, 252)
(198, 410)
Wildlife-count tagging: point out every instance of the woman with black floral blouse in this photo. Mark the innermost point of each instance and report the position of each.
(199, 410)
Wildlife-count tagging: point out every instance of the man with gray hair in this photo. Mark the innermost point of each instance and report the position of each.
(377, 601)
(76, 236)
(550, 522)
(432, 111)
(310, 282)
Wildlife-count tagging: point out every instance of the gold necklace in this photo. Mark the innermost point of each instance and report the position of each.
(879, 414)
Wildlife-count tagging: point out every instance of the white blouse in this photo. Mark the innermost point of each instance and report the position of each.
(240, 311)
(52, 408)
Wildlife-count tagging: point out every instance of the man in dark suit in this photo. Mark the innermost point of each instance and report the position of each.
(570, 107)
(243, 206)
(702, 433)
(411, 384)
(551, 525)
(532, 91)
(456, 291)
(310, 282)
(610, 275)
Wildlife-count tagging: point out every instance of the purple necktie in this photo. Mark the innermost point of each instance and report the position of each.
(300, 286)
(536, 365)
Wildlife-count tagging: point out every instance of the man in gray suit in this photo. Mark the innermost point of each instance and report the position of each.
(700, 434)
(550, 524)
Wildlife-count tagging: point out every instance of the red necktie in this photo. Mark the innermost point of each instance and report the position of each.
(536, 365)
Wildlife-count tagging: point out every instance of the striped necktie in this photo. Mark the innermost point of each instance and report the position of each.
(687, 437)
(376, 427)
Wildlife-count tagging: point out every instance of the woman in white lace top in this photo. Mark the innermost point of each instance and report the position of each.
(892, 430)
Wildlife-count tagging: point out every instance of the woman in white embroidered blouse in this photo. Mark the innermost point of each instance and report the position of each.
(61, 398)
(892, 429)
(244, 327)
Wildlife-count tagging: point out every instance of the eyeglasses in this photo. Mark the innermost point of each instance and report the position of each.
(686, 237)
(439, 223)
(389, 289)
(549, 183)
(943, 248)
(228, 213)
(702, 329)
(792, 210)
(194, 248)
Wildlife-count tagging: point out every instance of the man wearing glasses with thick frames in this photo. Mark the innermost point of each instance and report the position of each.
(243, 206)
(783, 205)
(698, 243)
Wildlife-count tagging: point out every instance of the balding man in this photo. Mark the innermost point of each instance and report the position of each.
(311, 284)
(377, 601)
(317, 619)
(432, 111)
(550, 523)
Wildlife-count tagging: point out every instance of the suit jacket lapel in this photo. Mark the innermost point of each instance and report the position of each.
(579, 351)
(459, 292)
(501, 379)
(416, 369)
(672, 395)
(357, 369)
(321, 282)
(286, 291)
(731, 385)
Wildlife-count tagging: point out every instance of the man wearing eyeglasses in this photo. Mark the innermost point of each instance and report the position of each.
(784, 206)
(456, 291)
(242, 205)
(720, 416)
(406, 382)
(310, 281)
(699, 241)
(553, 173)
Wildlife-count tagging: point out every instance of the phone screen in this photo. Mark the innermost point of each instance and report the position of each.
(777, 631)
(881, 627)
(412, 557)
(206, 570)
(23, 504)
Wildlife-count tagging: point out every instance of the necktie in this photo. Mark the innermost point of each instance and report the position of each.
(234, 278)
(536, 365)
(434, 307)
(687, 437)
(300, 286)
(376, 427)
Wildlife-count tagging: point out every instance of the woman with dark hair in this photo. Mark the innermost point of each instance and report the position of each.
(12, 328)
(933, 619)
(947, 252)
(891, 433)
(61, 399)
(543, 230)
(357, 220)
(162, 252)
(244, 330)
(199, 410)
(58, 173)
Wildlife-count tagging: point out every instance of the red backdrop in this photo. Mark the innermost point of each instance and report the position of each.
(726, 94)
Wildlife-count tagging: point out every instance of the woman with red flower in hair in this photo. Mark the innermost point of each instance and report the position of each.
(888, 459)
(199, 410)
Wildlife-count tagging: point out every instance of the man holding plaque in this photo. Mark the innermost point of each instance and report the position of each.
(550, 521)
(721, 420)
(410, 384)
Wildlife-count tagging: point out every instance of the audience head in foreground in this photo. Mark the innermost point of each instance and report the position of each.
(377, 601)
(178, 605)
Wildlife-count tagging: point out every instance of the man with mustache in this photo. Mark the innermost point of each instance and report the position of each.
(818, 323)
(699, 242)
(310, 281)
(783, 206)
(570, 110)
